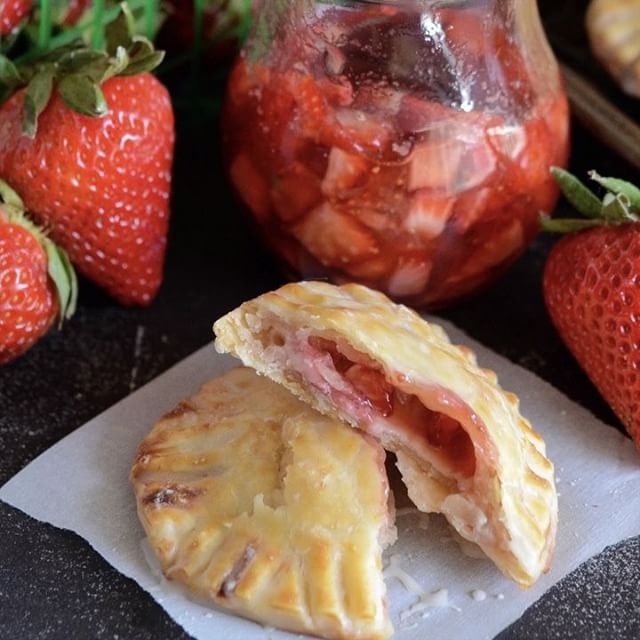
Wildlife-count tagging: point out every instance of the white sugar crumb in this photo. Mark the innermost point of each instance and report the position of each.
(394, 570)
(208, 614)
(499, 596)
(478, 595)
(435, 599)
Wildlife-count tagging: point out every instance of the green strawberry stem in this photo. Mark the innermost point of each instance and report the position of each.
(45, 25)
(77, 71)
(59, 266)
(97, 34)
(150, 14)
(620, 204)
(72, 34)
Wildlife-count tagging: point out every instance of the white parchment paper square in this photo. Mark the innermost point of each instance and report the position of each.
(81, 484)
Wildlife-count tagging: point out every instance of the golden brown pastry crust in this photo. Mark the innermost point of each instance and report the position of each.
(614, 33)
(503, 498)
(271, 510)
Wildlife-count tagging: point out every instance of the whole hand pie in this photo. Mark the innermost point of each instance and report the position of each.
(273, 511)
(462, 446)
(613, 27)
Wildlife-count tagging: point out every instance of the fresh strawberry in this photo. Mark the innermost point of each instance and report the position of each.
(12, 12)
(37, 282)
(591, 290)
(99, 182)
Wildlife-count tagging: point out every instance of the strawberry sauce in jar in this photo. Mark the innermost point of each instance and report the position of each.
(403, 145)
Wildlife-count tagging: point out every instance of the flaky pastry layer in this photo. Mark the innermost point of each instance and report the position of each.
(257, 502)
(462, 446)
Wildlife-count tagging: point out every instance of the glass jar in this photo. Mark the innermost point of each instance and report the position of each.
(405, 145)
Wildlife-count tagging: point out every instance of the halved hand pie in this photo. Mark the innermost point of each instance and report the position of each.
(254, 500)
(462, 446)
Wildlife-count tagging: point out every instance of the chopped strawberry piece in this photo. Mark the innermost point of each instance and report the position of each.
(296, 191)
(371, 269)
(355, 131)
(311, 106)
(428, 214)
(508, 141)
(250, 185)
(373, 386)
(334, 238)
(477, 165)
(343, 172)
(340, 362)
(416, 115)
(338, 91)
(435, 164)
(334, 59)
(410, 278)
(447, 434)
(381, 99)
(470, 207)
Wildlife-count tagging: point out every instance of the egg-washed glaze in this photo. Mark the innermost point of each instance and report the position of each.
(462, 446)
(269, 509)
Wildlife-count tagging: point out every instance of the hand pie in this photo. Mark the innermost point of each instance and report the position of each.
(614, 33)
(275, 512)
(462, 446)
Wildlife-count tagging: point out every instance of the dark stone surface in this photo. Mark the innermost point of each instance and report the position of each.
(52, 585)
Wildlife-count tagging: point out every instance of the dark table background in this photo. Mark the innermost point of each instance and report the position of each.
(52, 585)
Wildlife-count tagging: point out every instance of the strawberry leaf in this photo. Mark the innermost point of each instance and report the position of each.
(36, 99)
(619, 187)
(566, 225)
(577, 193)
(81, 60)
(118, 64)
(64, 278)
(82, 94)
(142, 65)
(120, 31)
(615, 209)
(9, 74)
(10, 197)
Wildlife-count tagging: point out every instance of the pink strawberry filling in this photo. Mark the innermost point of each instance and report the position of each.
(357, 386)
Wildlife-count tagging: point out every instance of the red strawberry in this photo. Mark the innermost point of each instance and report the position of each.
(591, 291)
(100, 184)
(12, 12)
(37, 282)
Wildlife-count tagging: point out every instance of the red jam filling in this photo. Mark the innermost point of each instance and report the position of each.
(359, 168)
(377, 397)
